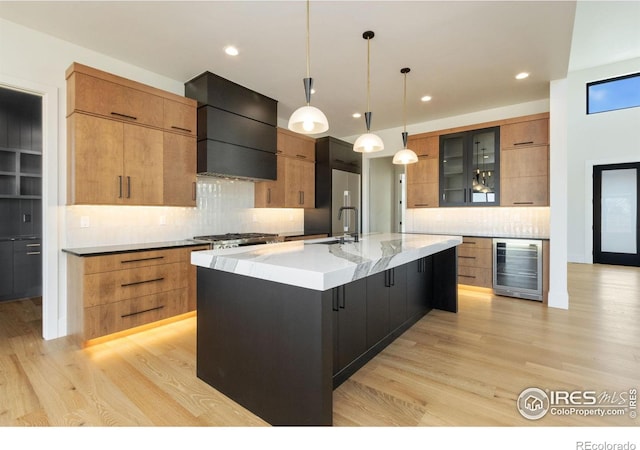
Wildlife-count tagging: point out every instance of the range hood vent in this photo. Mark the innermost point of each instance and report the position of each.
(236, 129)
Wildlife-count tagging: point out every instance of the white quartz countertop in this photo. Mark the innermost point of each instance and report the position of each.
(314, 265)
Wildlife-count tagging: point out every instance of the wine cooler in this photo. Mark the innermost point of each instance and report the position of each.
(517, 268)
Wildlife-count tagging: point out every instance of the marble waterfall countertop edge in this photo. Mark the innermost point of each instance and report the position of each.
(315, 264)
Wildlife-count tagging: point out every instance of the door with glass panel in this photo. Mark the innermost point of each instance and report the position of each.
(616, 197)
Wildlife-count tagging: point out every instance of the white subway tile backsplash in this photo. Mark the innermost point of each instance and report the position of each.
(529, 222)
(222, 206)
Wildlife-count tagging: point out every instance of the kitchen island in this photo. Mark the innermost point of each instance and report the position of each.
(281, 325)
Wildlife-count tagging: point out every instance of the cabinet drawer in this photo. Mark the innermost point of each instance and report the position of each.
(108, 99)
(30, 247)
(113, 317)
(475, 257)
(109, 287)
(132, 260)
(179, 117)
(532, 132)
(476, 242)
(475, 276)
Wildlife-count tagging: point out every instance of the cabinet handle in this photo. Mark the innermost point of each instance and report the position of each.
(393, 277)
(180, 129)
(153, 258)
(33, 253)
(523, 203)
(135, 283)
(141, 312)
(422, 204)
(523, 143)
(301, 197)
(466, 257)
(334, 299)
(268, 196)
(128, 187)
(124, 116)
(341, 298)
(301, 156)
(466, 276)
(120, 186)
(33, 245)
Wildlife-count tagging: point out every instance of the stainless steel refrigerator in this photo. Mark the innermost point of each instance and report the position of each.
(345, 191)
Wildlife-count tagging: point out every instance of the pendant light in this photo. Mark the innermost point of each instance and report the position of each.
(368, 142)
(308, 119)
(405, 156)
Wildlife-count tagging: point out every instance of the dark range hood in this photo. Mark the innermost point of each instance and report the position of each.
(236, 129)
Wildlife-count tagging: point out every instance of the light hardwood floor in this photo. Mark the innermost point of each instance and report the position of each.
(464, 369)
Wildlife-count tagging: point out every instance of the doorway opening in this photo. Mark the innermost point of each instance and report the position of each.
(616, 214)
(21, 145)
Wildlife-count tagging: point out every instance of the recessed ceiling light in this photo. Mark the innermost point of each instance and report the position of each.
(426, 98)
(356, 115)
(231, 50)
(522, 76)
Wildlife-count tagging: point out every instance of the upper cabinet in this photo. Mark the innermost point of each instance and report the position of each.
(128, 143)
(524, 165)
(422, 177)
(295, 183)
(469, 168)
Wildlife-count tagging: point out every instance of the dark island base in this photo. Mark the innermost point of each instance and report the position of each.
(280, 350)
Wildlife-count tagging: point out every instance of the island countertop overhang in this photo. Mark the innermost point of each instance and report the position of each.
(314, 264)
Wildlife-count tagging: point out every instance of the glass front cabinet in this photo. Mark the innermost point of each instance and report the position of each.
(469, 168)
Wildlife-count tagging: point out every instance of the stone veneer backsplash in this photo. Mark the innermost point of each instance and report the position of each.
(520, 222)
(223, 206)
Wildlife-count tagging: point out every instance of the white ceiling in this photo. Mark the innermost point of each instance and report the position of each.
(464, 54)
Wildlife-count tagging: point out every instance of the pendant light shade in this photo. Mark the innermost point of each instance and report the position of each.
(405, 156)
(368, 142)
(308, 119)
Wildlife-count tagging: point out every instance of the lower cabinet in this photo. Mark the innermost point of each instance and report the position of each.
(114, 292)
(349, 323)
(368, 314)
(475, 262)
(386, 303)
(21, 274)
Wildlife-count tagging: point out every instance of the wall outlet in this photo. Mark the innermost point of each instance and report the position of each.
(163, 220)
(84, 222)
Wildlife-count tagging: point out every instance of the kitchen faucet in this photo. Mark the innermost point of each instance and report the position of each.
(355, 210)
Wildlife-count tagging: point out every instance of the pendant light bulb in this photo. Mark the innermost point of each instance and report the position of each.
(308, 119)
(368, 142)
(405, 156)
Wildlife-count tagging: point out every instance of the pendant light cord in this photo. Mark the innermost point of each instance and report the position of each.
(368, 71)
(404, 107)
(308, 47)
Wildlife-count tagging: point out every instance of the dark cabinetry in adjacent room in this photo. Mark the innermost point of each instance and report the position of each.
(20, 194)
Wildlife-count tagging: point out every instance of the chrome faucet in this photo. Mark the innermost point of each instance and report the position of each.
(355, 210)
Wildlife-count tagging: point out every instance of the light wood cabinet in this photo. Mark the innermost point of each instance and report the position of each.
(128, 143)
(118, 291)
(422, 177)
(529, 132)
(475, 262)
(179, 170)
(295, 183)
(524, 164)
(111, 162)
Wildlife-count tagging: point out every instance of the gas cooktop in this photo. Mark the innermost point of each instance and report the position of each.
(239, 239)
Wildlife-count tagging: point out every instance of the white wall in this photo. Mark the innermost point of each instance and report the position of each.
(604, 138)
(37, 62)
